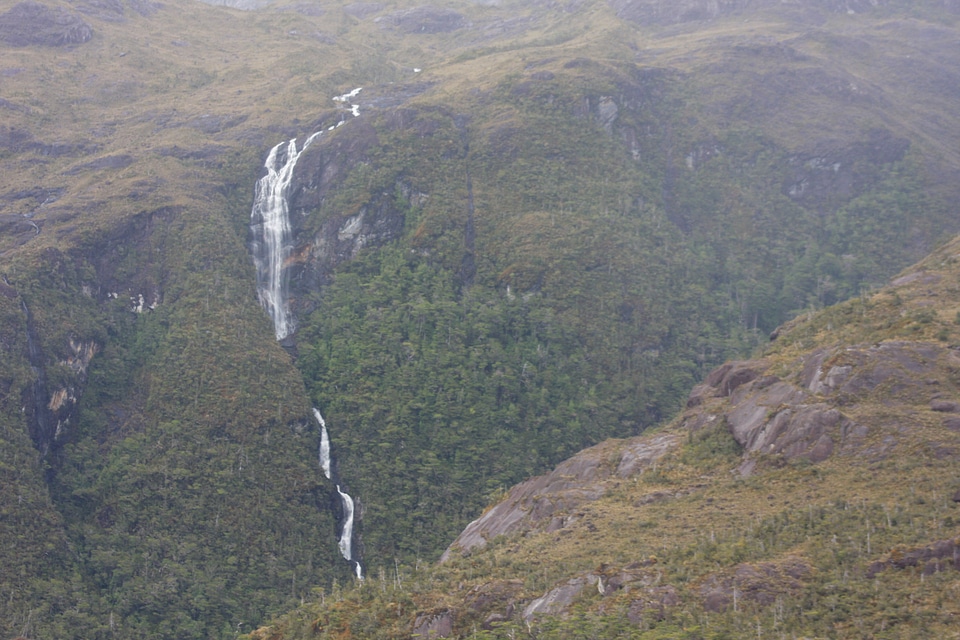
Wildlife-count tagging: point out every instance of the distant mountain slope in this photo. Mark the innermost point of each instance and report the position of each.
(812, 491)
(503, 271)
(546, 224)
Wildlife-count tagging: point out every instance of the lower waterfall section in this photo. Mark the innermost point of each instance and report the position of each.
(345, 540)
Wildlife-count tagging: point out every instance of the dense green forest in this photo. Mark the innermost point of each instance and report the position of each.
(598, 295)
(717, 535)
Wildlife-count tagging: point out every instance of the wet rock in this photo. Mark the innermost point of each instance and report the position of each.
(607, 111)
(32, 23)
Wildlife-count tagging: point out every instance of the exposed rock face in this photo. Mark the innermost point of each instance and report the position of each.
(934, 558)
(547, 502)
(830, 174)
(653, 604)
(807, 416)
(761, 583)
(341, 235)
(426, 20)
(650, 599)
(32, 23)
(324, 238)
(557, 599)
(660, 12)
(433, 625)
(492, 602)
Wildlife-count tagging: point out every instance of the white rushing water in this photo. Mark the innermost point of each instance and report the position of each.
(270, 223)
(324, 445)
(345, 543)
(346, 536)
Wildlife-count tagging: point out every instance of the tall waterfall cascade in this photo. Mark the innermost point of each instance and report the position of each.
(272, 247)
(270, 223)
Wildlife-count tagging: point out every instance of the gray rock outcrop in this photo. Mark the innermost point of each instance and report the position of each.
(548, 502)
(32, 23)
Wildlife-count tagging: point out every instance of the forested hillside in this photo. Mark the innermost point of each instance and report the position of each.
(535, 226)
(809, 492)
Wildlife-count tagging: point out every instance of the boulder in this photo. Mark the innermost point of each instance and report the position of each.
(945, 406)
(553, 602)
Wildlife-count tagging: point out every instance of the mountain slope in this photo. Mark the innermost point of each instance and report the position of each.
(811, 491)
(569, 244)
(546, 224)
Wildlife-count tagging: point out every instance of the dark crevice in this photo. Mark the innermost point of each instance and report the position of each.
(36, 396)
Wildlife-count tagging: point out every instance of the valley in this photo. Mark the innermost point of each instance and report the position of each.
(535, 228)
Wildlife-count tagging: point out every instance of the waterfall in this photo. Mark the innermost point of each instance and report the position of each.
(345, 543)
(346, 536)
(271, 247)
(270, 224)
(324, 445)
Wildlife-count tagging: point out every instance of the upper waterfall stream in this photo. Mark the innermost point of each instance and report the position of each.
(270, 223)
